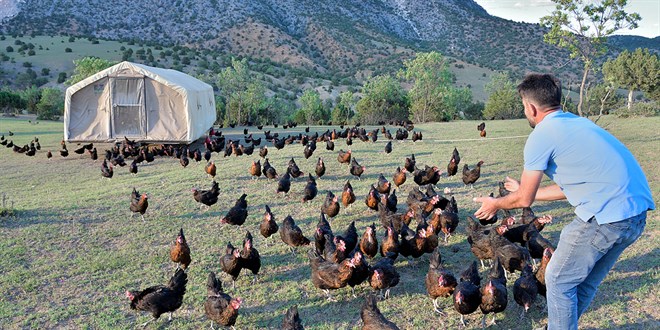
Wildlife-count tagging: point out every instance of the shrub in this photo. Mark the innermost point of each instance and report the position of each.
(67, 50)
(640, 109)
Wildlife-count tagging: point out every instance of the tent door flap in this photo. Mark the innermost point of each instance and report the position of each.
(128, 107)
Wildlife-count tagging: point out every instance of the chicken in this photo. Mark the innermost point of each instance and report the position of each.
(347, 195)
(482, 133)
(372, 319)
(481, 126)
(344, 157)
(161, 298)
(93, 154)
(310, 190)
(284, 183)
(447, 219)
(525, 289)
(320, 168)
(494, 294)
(334, 249)
(391, 201)
(329, 145)
(268, 170)
(238, 213)
(139, 203)
(516, 230)
(471, 176)
(452, 167)
(399, 176)
(291, 234)
(383, 186)
(207, 197)
(327, 275)
(268, 226)
(372, 199)
(540, 272)
(210, 169)
(133, 168)
(360, 271)
(184, 161)
(384, 275)
(106, 169)
(263, 152)
(309, 149)
(356, 169)
(535, 243)
(369, 242)
(390, 245)
(512, 256)
(292, 319)
(416, 243)
(330, 206)
(180, 252)
(250, 258)
(322, 229)
(219, 306)
(409, 164)
(439, 282)
(49, 155)
(230, 263)
(294, 170)
(350, 237)
(430, 175)
(467, 296)
(255, 169)
(388, 147)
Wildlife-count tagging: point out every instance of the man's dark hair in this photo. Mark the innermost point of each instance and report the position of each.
(544, 89)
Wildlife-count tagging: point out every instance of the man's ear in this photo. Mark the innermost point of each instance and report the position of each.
(533, 108)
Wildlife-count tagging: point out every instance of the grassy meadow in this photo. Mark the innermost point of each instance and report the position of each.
(72, 247)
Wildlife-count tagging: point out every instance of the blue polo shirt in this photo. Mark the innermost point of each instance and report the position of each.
(596, 172)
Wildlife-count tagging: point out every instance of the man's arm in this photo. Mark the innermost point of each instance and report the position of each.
(548, 193)
(524, 196)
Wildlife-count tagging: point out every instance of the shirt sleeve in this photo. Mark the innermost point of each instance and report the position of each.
(537, 152)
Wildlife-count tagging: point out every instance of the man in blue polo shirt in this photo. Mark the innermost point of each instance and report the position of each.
(598, 175)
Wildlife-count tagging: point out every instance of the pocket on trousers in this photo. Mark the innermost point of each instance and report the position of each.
(608, 234)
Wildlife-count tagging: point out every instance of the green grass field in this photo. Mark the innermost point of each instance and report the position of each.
(73, 248)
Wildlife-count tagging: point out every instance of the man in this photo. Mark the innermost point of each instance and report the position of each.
(598, 175)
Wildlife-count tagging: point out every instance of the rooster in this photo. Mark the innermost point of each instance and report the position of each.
(160, 299)
(219, 306)
(139, 203)
(180, 252)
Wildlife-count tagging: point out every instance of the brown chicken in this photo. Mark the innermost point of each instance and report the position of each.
(369, 242)
(210, 169)
(430, 175)
(399, 177)
(344, 157)
(347, 195)
(372, 199)
(238, 213)
(291, 234)
(160, 299)
(540, 272)
(467, 296)
(372, 319)
(494, 297)
(390, 245)
(106, 169)
(294, 170)
(330, 206)
(322, 229)
(263, 152)
(268, 226)
(452, 167)
(139, 203)
(230, 263)
(320, 168)
(383, 186)
(292, 320)
(310, 190)
(327, 275)
(268, 170)
(356, 169)
(219, 306)
(250, 258)
(360, 272)
(180, 252)
(535, 243)
(512, 256)
(384, 275)
(470, 176)
(350, 237)
(446, 219)
(255, 169)
(409, 164)
(525, 289)
(439, 282)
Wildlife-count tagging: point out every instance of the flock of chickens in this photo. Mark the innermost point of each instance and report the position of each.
(346, 259)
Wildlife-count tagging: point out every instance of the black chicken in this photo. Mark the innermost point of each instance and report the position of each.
(467, 296)
(310, 190)
(161, 298)
(494, 296)
(238, 213)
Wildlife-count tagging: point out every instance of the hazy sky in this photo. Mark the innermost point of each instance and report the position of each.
(531, 10)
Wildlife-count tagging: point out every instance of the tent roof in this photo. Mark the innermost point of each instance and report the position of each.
(173, 78)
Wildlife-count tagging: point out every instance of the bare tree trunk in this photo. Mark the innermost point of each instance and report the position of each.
(630, 99)
(563, 106)
(602, 104)
(587, 66)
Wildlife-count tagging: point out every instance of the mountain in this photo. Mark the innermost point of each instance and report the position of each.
(341, 38)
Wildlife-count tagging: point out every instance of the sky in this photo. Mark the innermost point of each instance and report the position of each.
(532, 10)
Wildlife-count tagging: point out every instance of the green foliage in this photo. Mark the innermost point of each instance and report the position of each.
(10, 101)
(431, 81)
(45, 71)
(383, 100)
(601, 99)
(312, 107)
(343, 110)
(503, 99)
(68, 50)
(456, 101)
(639, 70)
(61, 77)
(581, 27)
(244, 95)
(51, 104)
(31, 97)
(86, 67)
(640, 109)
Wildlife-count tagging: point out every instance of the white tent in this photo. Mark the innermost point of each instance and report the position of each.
(140, 102)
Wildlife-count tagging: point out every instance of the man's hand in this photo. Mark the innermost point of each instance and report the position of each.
(487, 209)
(511, 184)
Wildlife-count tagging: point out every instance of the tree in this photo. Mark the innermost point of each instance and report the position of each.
(312, 107)
(432, 81)
(61, 77)
(233, 82)
(31, 97)
(639, 70)
(51, 104)
(86, 67)
(343, 111)
(503, 99)
(383, 100)
(11, 101)
(456, 102)
(581, 28)
(600, 99)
